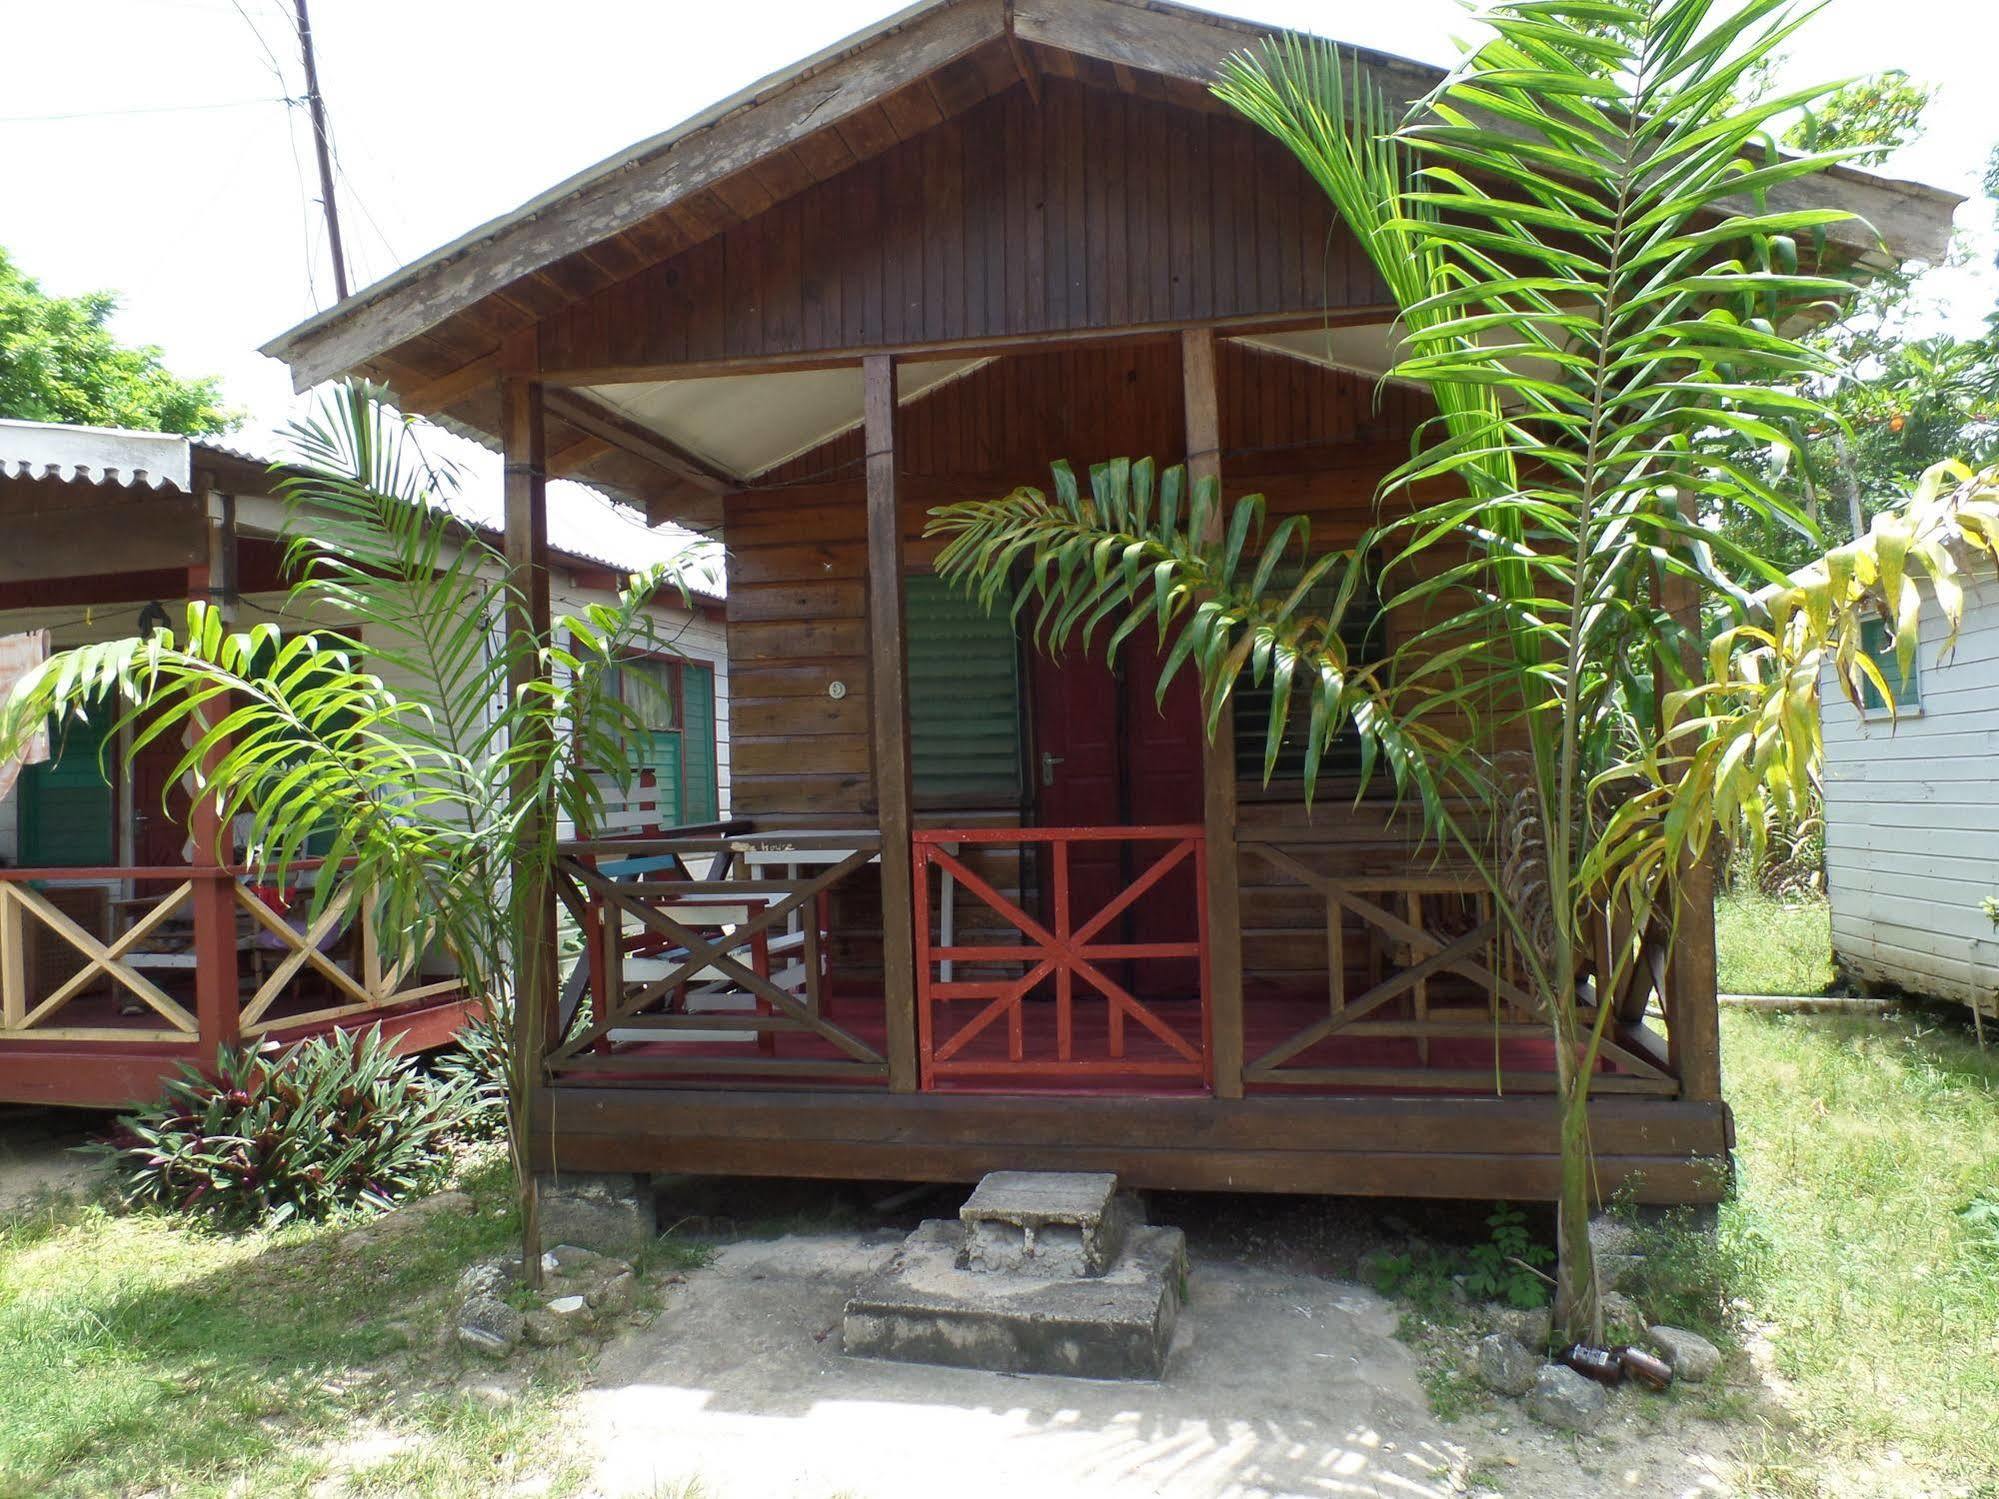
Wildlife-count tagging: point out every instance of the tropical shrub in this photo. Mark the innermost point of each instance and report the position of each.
(334, 1124)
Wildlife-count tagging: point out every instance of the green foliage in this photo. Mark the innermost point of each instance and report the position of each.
(1980, 1217)
(480, 1060)
(335, 1123)
(1501, 1268)
(1773, 945)
(1859, 1140)
(1504, 1267)
(1869, 118)
(59, 363)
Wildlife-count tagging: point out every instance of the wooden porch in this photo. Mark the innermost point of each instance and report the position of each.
(111, 978)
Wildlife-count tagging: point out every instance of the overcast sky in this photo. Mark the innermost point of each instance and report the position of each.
(145, 147)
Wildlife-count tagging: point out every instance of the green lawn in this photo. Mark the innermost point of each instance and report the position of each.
(141, 1356)
(1859, 1143)
(1767, 946)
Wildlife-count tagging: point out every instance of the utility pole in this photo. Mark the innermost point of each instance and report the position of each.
(318, 107)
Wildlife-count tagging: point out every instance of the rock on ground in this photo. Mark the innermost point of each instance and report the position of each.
(1564, 1399)
(1692, 1357)
(1504, 1366)
(1623, 1322)
(488, 1325)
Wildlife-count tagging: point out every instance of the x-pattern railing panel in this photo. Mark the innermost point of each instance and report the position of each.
(713, 929)
(22, 906)
(1479, 955)
(1062, 950)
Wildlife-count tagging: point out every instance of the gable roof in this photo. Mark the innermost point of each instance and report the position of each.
(636, 192)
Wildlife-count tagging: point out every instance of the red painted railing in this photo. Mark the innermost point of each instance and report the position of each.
(1047, 984)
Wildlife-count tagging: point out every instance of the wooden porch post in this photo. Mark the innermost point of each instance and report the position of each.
(217, 986)
(888, 707)
(526, 507)
(1218, 781)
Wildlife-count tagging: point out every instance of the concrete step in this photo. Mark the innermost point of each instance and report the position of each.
(923, 1308)
(1045, 1222)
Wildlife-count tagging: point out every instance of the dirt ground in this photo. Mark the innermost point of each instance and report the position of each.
(38, 1154)
(1284, 1381)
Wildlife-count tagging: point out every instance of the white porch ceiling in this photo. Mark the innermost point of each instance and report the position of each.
(749, 424)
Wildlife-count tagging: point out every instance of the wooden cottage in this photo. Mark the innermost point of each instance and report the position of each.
(992, 907)
(126, 945)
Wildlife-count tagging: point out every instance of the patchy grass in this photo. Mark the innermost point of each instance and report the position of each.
(143, 1355)
(1769, 946)
(1860, 1143)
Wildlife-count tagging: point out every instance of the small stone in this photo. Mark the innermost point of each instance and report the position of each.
(1503, 1365)
(1691, 1356)
(487, 1279)
(489, 1326)
(570, 1308)
(545, 1329)
(616, 1294)
(569, 1259)
(1563, 1399)
(1623, 1322)
(1531, 1326)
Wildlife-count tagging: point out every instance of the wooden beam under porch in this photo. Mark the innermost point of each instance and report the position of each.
(1447, 1147)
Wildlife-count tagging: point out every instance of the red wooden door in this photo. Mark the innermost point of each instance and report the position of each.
(159, 810)
(1109, 755)
(1163, 779)
(1078, 769)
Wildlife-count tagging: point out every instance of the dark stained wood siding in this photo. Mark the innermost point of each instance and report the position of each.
(1094, 210)
(1312, 440)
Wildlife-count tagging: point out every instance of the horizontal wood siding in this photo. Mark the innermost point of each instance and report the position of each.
(1092, 210)
(1912, 821)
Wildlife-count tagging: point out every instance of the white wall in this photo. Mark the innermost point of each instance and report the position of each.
(1912, 817)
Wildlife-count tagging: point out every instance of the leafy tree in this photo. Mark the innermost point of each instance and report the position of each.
(1871, 117)
(433, 798)
(1592, 301)
(59, 363)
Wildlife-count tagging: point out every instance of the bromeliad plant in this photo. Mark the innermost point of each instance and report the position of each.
(1576, 227)
(434, 794)
(333, 1124)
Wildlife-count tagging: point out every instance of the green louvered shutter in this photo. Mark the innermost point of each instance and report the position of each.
(964, 699)
(703, 794)
(1363, 628)
(65, 802)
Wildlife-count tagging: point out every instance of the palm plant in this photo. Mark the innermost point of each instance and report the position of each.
(1592, 288)
(432, 794)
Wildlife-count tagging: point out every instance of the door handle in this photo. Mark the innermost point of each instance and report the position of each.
(1048, 764)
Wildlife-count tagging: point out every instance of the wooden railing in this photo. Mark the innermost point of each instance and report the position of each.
(1414, 932)
(119, 955)
(703, 954)
(1046, 968)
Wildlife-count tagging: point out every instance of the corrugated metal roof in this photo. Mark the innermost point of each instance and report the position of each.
(165, 460)
(95, 455)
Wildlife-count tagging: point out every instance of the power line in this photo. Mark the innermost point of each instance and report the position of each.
(155, 109)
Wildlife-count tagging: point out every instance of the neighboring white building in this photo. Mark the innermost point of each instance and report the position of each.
(1912, 814)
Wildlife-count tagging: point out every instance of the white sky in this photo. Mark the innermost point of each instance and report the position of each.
(201, 211)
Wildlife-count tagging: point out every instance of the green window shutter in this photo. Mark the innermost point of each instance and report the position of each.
(702, 792)
(662, 758)
(964, 697)
(1879, 642)
(1363, 628)
(65, 802)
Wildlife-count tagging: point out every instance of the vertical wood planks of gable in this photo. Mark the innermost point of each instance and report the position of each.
(888, 699)
(1204, 444)
(526, 514)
